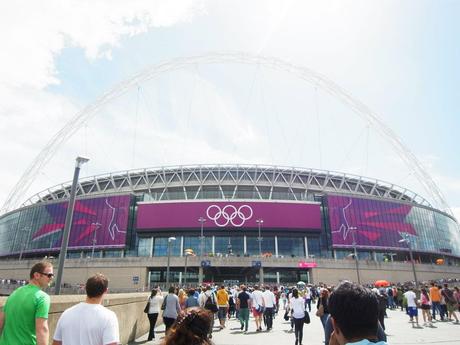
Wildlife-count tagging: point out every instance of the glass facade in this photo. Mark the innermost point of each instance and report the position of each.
(97, 223)
(381, 225)
(106, 225)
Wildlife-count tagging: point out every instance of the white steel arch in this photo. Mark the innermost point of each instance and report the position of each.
(303, 73)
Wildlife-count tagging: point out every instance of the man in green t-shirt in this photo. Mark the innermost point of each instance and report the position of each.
(24, 319)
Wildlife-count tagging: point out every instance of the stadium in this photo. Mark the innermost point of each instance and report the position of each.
(233, 224)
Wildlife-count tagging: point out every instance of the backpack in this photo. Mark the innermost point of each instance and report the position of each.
(210, 304)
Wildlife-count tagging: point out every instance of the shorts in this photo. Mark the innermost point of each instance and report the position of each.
(413, 311)
(451, 307)
(426, 306)
(256, 313)
(222, 313)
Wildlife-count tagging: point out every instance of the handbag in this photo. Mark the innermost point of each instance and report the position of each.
(286, 315)
(306, 319)
(320, 311)
(147, 307)
(163, 305)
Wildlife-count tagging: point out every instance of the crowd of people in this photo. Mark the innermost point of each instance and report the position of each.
(348, 312)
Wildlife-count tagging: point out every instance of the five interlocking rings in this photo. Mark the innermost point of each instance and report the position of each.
(229, 214)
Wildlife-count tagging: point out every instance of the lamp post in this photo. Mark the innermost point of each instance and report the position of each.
(259, 224)
(353, 231)
(187, 252)
(170, 239)
(79, 161)
(407, 241)
(201, 220)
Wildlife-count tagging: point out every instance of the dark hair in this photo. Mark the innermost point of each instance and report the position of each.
(425, 293)
(355, 310)
(154, 292)
(191, 328)
(191, 292)
(39, 267)
(171, 289)
(295, 293)
(96, 285)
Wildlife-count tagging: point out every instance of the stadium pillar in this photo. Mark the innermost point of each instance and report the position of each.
(79, 161)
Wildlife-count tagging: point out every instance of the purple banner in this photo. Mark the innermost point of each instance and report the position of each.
(228, 214)
(372, 223)
(99, 222)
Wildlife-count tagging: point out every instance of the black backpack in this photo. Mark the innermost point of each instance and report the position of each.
(210, 304)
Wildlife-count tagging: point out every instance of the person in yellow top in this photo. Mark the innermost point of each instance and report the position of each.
(435, 297)
(222, 303)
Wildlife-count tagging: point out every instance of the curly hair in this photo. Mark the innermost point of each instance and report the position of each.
(191, 328)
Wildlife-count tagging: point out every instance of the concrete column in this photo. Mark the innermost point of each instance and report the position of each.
(276, 246)
(151, 246)
(181, 246)
(277, 278)
(200, 275)
(261, 276)
(180, 278)
(374, 255)
(213, 245)
(334, 255)
(306, 246)
(245, 246)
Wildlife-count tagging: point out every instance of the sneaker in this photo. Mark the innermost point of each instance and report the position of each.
(242, 326)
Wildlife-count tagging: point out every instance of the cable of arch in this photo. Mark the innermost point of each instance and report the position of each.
(303, 73)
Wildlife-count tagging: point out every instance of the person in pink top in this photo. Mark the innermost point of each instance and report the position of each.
(426, 306)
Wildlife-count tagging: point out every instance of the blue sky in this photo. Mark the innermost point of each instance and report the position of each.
(398, 57)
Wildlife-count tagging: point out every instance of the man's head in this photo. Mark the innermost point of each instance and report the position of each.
(354, 310)
(41, 274)
(96, 285)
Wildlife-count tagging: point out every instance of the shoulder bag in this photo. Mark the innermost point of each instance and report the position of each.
(163, 305)
(147, 307)
(320, 311)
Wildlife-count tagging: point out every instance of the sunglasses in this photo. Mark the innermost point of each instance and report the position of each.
(49, 275)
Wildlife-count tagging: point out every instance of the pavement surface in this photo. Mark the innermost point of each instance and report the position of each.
(398, 328)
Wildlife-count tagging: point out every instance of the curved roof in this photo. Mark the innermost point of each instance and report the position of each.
(229, 182)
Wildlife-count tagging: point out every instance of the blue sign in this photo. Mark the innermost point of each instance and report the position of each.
(206, 263)
(257, 264)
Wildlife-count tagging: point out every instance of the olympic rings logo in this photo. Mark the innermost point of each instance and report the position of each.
(229, 214)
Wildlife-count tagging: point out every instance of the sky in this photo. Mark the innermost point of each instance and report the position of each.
(400, 58)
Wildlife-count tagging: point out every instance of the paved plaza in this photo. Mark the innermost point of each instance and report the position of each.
(399, 331)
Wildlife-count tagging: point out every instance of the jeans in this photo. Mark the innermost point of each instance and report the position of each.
(324, 319)
(308, 303)
(435, 306)
(152, 320)
(168, 321)
(298, 329)
(268, 313)
(243, 315)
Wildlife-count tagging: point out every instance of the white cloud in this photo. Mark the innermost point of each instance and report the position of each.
(32, 35)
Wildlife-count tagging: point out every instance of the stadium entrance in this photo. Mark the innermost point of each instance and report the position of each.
(230, 275)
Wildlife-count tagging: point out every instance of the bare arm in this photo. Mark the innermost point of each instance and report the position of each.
(2, 321)
(42, 331)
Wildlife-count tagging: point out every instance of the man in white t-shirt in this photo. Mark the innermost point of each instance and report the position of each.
(270, 303)
(412, 305)
(258, 305)
(89, 322)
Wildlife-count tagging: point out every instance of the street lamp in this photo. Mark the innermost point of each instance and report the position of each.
(201, 220)
(353, 231)
(259, 224)
(407, 241)
(187, 252)
(79, 161)
(170, 239)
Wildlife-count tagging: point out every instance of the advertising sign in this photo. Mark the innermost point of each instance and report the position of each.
(372, 223)
(228, 214)
(98, 222)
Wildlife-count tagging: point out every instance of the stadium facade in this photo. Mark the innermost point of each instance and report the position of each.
(255, 217)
